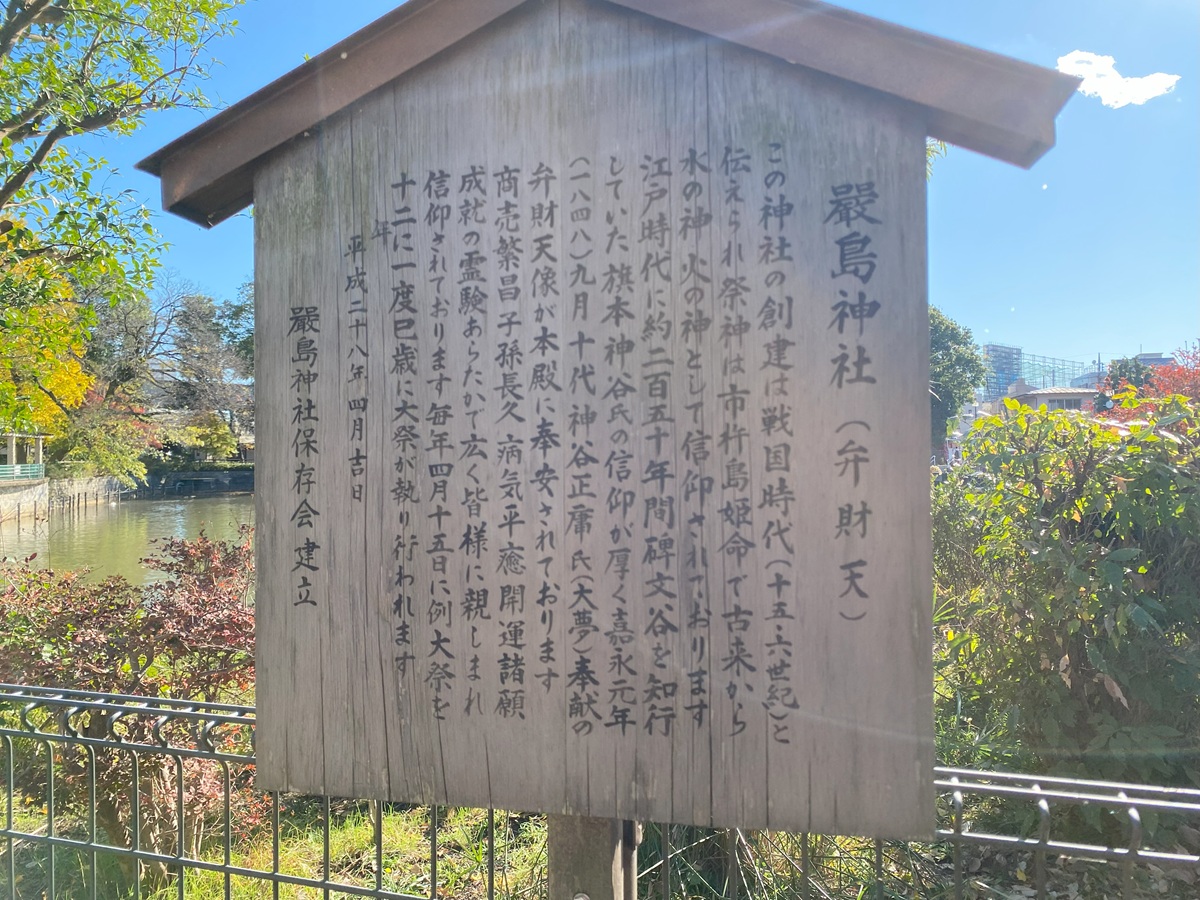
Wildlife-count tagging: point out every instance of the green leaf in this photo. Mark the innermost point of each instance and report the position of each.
(1141, 618)
(1124, 554)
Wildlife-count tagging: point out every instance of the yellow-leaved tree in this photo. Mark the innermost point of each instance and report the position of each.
(41, 376)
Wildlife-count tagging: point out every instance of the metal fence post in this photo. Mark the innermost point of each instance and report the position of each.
(42, 729)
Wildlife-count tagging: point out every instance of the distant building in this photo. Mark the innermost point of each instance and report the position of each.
(1002, 365)
(1005, 365)
(1099, 373)
(1053, 397)
(1038, 381)
(1090, 379)
(1154, 359)
(21, 457)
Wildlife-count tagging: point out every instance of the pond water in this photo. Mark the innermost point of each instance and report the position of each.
(111, 539)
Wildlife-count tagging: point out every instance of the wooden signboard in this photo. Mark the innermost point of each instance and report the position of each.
(593, 406)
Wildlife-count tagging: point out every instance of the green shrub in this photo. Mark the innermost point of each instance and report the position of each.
(189, 637)
(1067, 594)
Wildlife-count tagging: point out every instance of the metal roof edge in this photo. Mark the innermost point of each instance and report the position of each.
(345, 54)
(973, 98)
(983, 101)
(373, 56)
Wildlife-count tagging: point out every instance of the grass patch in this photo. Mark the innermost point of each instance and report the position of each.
(768, 864)
(403, 867)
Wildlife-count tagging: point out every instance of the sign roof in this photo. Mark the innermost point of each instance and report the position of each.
(983, 101)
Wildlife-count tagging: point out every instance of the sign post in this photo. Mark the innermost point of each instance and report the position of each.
(605, 424)
(595, 858)
(592, 397)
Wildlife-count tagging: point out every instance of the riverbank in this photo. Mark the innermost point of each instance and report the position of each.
(31, 503)
(190, 484)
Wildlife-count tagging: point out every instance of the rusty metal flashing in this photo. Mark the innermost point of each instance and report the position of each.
(985, 102)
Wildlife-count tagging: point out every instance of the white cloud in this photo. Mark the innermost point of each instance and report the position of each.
(1101, 79)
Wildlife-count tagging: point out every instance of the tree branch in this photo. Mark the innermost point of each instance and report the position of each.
(23, 124)
(111, 114)
(49, 393)
(19, 17)
(23, 174)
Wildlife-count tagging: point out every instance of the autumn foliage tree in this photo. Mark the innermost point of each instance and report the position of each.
(1181, 377)
(39, 388)
(1151, 386)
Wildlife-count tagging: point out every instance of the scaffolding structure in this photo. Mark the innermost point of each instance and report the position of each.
(1004, 365)
(1045, 371)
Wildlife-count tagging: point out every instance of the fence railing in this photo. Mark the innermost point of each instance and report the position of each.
(110, 796)
(23, 472)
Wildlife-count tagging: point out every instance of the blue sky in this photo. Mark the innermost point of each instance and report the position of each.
(1095, 250)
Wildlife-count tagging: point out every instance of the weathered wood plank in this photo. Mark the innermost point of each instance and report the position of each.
(274, 632)
(341, 292)
(292, 327)
(371, 595)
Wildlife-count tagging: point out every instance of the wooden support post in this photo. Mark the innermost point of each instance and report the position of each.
(733, 867)
(592, 859)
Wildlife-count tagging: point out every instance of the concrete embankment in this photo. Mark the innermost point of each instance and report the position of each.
(33, 502)
(36, 501)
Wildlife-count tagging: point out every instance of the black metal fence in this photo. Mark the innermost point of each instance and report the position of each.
(111, 796)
